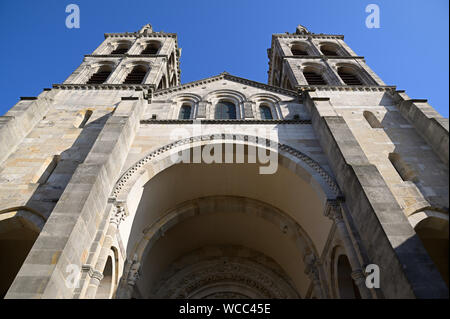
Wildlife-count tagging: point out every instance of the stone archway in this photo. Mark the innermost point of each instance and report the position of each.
(230, 272)
(19, 229)
(155, 186)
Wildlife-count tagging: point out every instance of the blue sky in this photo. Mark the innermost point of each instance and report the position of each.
(409, 50)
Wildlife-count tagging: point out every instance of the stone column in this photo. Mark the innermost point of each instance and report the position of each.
(312, 269)
(127, 286)
(117, 216)
(334, 212)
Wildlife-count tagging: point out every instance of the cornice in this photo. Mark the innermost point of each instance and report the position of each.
(326, 57)
(226, 76)
(218, 121)
(284, 148)
(354, 88)
(136, 87)
(140, 35)
(126, 55)
(308, 35)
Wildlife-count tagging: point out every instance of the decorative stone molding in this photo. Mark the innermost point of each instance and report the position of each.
(218, 121)
(329, 180)
(225, 273)
(133, 274)
(333, 211)
(92, 273)
(308, 36)
(118, 215)
(226, 76)
(370, 88)
(104, 86)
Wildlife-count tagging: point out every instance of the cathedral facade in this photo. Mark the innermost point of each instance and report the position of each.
(121, 182)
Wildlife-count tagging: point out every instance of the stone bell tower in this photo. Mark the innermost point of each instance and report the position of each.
(145, 57)
(371, 132)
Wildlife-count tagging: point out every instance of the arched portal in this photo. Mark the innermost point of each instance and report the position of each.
(432, 228)
(179, 209)
(19, 228)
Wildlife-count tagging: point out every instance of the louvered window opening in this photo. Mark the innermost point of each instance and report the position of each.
(120, 51)
(349, 79)
(99, 77)
(329, 52)
(150, 49)
(314, 78)
(135, 77)
(299, 52)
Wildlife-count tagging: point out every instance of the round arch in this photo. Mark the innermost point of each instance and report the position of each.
(299, 162)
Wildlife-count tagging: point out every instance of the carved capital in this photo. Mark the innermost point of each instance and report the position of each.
(97, 275)
(118, 215)
(333, 211)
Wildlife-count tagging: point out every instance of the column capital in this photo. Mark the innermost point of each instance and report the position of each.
(118, 215)
(333, 210)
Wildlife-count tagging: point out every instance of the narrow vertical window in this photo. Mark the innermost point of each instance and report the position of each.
(265, 112)
(225, 111)
(185, 112)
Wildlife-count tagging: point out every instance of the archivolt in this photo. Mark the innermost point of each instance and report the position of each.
(291, 158)
(225, 204)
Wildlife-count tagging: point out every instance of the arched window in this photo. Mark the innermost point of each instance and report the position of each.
(298, 49)
(151, 48)
(349, 77)
(100, 76)
(314, 78)
(372, 119)
(106, 288)
(225, 110)
(136, 76)
(185, 112)
(122, 48)
(329, 50)
(346, 285)
(266, 113)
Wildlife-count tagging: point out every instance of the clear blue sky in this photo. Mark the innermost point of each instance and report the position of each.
(410, 49)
